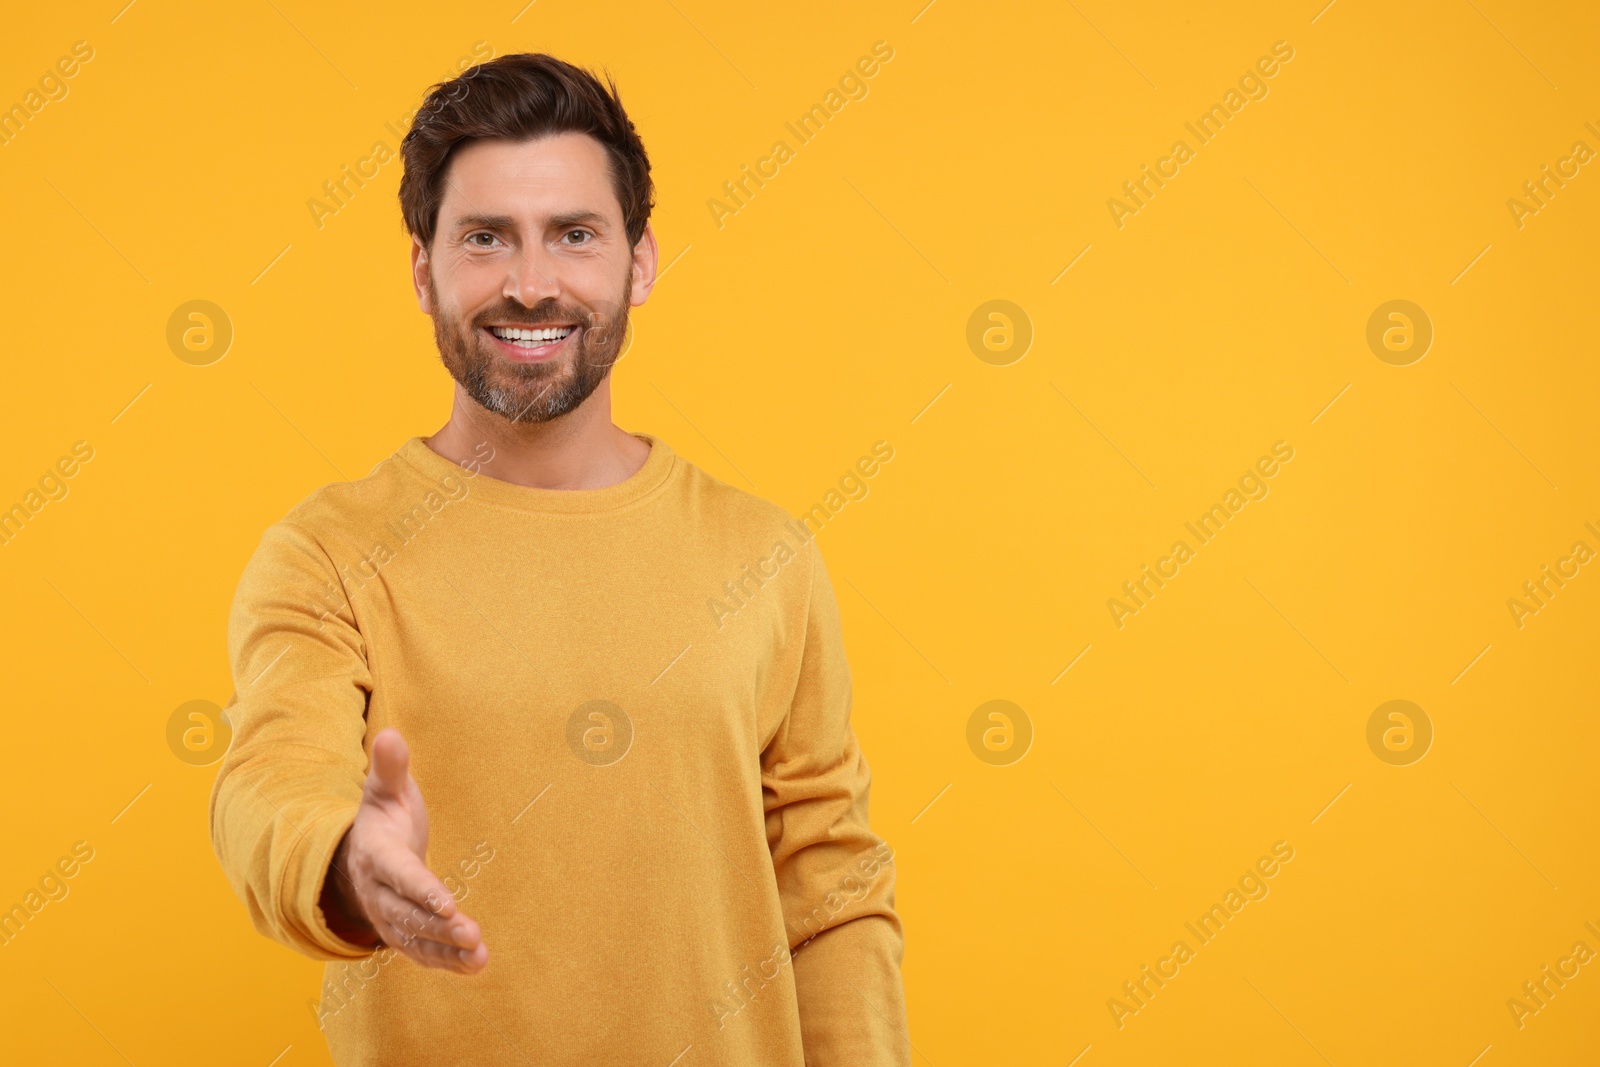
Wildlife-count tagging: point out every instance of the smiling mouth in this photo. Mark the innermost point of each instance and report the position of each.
(531, 338)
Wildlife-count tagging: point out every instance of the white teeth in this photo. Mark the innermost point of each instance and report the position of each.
(518, 334)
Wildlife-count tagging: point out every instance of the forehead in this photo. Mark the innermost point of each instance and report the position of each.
(529, 180)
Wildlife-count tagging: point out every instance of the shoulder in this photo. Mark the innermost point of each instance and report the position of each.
(347, 511)
(733, 514)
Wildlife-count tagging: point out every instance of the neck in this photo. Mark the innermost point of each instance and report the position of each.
(582, 449)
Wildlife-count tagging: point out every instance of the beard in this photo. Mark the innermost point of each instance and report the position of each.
(531, 392)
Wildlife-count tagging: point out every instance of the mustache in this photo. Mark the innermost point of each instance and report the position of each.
(512, 315)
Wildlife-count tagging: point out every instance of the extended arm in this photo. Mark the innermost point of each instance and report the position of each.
(326, 853)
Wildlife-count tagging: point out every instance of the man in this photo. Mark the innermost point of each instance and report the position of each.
(618, 682)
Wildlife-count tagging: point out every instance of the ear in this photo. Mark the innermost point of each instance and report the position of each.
(644, 267)
(421, 273)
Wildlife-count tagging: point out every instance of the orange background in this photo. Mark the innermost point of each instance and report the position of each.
(829, 312)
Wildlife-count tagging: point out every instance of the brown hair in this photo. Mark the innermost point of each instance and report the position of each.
(520, 97)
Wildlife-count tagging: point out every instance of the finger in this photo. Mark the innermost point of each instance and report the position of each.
(433, 954)
(400, 870)
(391, 765)
(413, 920)
(419, 922)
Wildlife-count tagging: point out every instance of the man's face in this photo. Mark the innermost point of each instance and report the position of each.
(530, 237)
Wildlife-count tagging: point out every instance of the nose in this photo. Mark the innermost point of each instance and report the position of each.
(532, 278)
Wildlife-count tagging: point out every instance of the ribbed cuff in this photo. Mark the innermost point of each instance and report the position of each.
(304, 874)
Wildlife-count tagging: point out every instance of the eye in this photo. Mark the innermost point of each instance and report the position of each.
(472, 238)
(583, 233)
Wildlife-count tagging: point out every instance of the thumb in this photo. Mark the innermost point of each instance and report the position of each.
(391, 765)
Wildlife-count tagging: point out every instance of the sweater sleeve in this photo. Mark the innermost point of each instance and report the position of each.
(291, 781)
(835, 876)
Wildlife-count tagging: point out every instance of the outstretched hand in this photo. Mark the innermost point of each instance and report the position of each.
(379, 887)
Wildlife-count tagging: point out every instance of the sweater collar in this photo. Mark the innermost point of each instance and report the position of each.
(658, 466)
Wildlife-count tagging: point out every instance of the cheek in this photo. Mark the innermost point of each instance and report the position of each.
(601, 287)
(466, 289)
(449, 318)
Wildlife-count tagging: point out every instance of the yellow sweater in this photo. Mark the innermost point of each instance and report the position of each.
(628, 713)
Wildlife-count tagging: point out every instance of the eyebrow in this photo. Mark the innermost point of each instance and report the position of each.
(506, 222)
